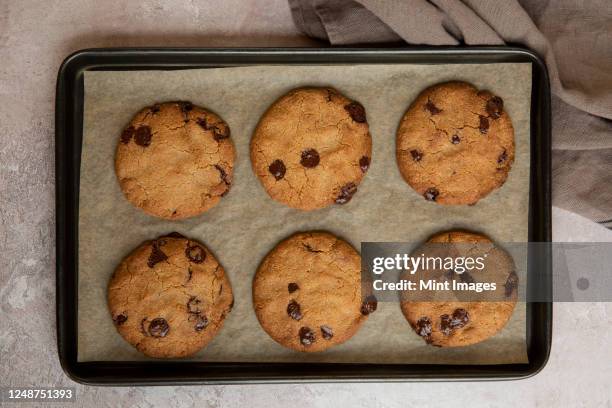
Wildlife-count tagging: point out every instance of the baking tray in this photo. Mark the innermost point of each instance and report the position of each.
(69, 121)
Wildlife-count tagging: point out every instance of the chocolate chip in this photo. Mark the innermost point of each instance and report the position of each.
(223, 175)
(326, 332)
(127, 134)
(484, 125)
(221, 133)
(466, 278)
(416, 155)
(195, 253)
(356, 111)
(186, 106)
(310, 158)
(459, 319)
(143, 136)
(120, 319)
(450, 274)
(455, 139)
(423, 327)
(202, 122)
(511, 284)
(364, 163)
(277, 169)
(292, 287)
(346, 193)
(218, 133)
(431, 194)
(307, 336)
(159, 327)
(495, 107)
(293, 310)
(201, 321)
(174, 234)
(433, 109)
(445, 324)
(369, 305)
(192, 305)
(157, 255)
(502, 157)
(189, 274)
(309, 248)
(155, 108)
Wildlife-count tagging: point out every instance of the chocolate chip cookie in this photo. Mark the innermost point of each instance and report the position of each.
(448, 323)
(169, 297)
(312, 148)
(307, 292)
(175, 160)
(455, 144)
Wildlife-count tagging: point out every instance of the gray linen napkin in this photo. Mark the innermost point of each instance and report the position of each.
(574, 37)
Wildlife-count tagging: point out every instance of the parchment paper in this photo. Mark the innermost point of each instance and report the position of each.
(247, 223)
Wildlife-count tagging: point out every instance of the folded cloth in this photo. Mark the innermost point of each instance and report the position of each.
(574, 38)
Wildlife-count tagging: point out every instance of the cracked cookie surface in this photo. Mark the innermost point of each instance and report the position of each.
(169, 297)
(312, 148)
(307, 292)
(175, 160)
(455, 144)
(448, 323)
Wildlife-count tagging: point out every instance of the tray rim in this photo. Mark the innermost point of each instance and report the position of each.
(68, 137)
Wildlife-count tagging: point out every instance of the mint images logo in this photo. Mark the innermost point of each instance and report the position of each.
(460, 267)
(440, 271)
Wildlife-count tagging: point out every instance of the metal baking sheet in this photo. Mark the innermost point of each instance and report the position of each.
(112, 95)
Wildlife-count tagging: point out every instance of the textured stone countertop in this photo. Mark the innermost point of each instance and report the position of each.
(35, 36)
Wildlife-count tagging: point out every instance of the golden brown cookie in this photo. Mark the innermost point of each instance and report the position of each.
(175, 160)
(455, 144)
(312, 148)
(169, 297)
(307, 292)
(450, 323)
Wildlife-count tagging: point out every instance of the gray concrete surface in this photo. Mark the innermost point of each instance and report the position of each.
(34, 38)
